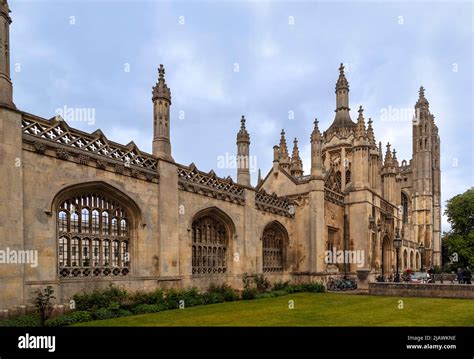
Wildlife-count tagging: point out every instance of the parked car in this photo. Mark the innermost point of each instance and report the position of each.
(420, 277)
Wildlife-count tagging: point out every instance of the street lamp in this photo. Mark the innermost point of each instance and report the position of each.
(422, 252)
(397, 243)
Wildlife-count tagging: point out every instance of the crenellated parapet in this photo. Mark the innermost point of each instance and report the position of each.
(54, 137)
(192, 180)
(274, 204)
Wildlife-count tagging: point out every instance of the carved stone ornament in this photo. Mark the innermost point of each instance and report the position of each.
(62, 154)
(39, 147)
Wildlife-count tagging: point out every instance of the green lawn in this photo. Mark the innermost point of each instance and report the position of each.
(312, 309)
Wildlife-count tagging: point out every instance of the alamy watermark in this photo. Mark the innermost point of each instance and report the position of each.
(77, 114)
(237, 161)
(399, 114)
(339, 256)
(19, 256)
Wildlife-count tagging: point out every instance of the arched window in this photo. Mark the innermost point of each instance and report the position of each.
(75, 252)
(123, 227)
(63, 251)
(116, 254)
(85, 221)
(86, 252)
(75, 222)
(96, 253)
(209, 247)
(273, 248)
(106, 253)
(105, 223)
(405, 259)
(92, 243)
(114, 227)
(95, 222)
(404, 202)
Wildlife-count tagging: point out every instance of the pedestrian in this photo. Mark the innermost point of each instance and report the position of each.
(467, 276)
(459, 276)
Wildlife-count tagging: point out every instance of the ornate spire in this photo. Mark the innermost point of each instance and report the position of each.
(243, 135)
(342, 120)
(296, 163)
(283, 147)
(285, 160)
(259, 176)
(360, 129)
(161, 90)
(243, 149)
(422, 101)
(316, 134)
(394, 158)
(370, 133)
(388, 156)
(342, 82)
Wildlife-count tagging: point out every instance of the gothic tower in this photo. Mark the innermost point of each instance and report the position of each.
(161, 117)
(243, 144)
(426, 182)
(6, 87)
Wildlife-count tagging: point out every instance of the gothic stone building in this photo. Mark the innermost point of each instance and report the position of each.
(100, 212)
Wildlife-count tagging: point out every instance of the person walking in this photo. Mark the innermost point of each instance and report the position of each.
(467, 276)
(459, 276)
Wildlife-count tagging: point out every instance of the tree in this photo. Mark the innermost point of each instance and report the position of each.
(43, 303)
(460, 239)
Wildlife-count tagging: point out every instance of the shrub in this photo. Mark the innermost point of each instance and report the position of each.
(277, 286)
(31, 320)
(102, 313)
(190, 297)
(101, 298)
(43, 303)
(228, 294)
(68, 319)
(249, 294)
(153, 297)
(148, 308)
(211, 298)
(246, 280)
(306, 287)
(279, 293)
(262, 283)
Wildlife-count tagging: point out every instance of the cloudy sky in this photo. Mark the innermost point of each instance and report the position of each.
(275, 62)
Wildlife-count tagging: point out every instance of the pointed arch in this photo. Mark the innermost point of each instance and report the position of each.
(211, 232)
(274, 247)
(386, 256)
(405, 206)
(85, 214)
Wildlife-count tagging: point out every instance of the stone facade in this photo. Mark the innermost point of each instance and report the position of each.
(99, 212)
